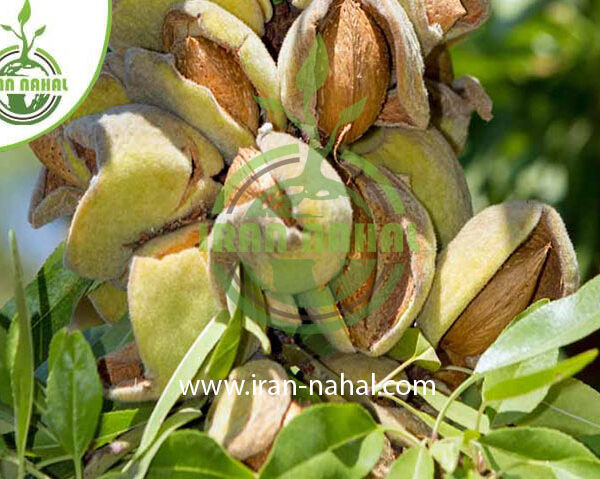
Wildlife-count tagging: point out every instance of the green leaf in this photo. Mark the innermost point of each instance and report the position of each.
(115, 423)
(174, 422)
(40, 31)
(74, 393)
(575, 469)
(414, 347)
(25, 13)
(255, 317)
(526, 402)
(222, 359)
(458, 412)
(114, 337)
(509, 448)
(186, 371)
(592, 442)
(8, 28)
(7, 420)
(256, 330)
(415, 463)
(515, 387)
(548, 328)
(447, 452)
(192, 454)
(21, 359)
(571, 407)
(51, 299)
(5, 387)
(326, 440)
(45, 443)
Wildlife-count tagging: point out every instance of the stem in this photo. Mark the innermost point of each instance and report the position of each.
(25, 52)
(30, 47)
(77, 463)
(457, 392)
(381, 384)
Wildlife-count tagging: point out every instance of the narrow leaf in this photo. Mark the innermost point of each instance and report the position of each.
(186, 371)
(5, 387)
(174, 422)
(341, 439)
(255, 317)
(21, 359)
(51, 299)
(8, 28)
(255, 330)
(115, 423)
(222, 359)
(74, 393)
(194, 454)
(415, 463)
(40, 31)
(519, 386)
(548, 328)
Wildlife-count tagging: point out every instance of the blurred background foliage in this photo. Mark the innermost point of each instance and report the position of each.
(539, 61)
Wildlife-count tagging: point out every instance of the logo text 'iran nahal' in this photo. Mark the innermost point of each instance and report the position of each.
(31, 81)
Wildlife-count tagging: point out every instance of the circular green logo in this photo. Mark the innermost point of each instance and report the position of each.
(30, 86)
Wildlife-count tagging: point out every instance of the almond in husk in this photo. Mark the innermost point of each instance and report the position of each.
(503, 260)
(371, 46)
(213, 63)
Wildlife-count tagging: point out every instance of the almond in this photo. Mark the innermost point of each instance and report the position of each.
(359, 68)
(210, 65)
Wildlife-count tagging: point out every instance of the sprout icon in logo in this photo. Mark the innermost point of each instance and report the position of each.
(31, 82)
